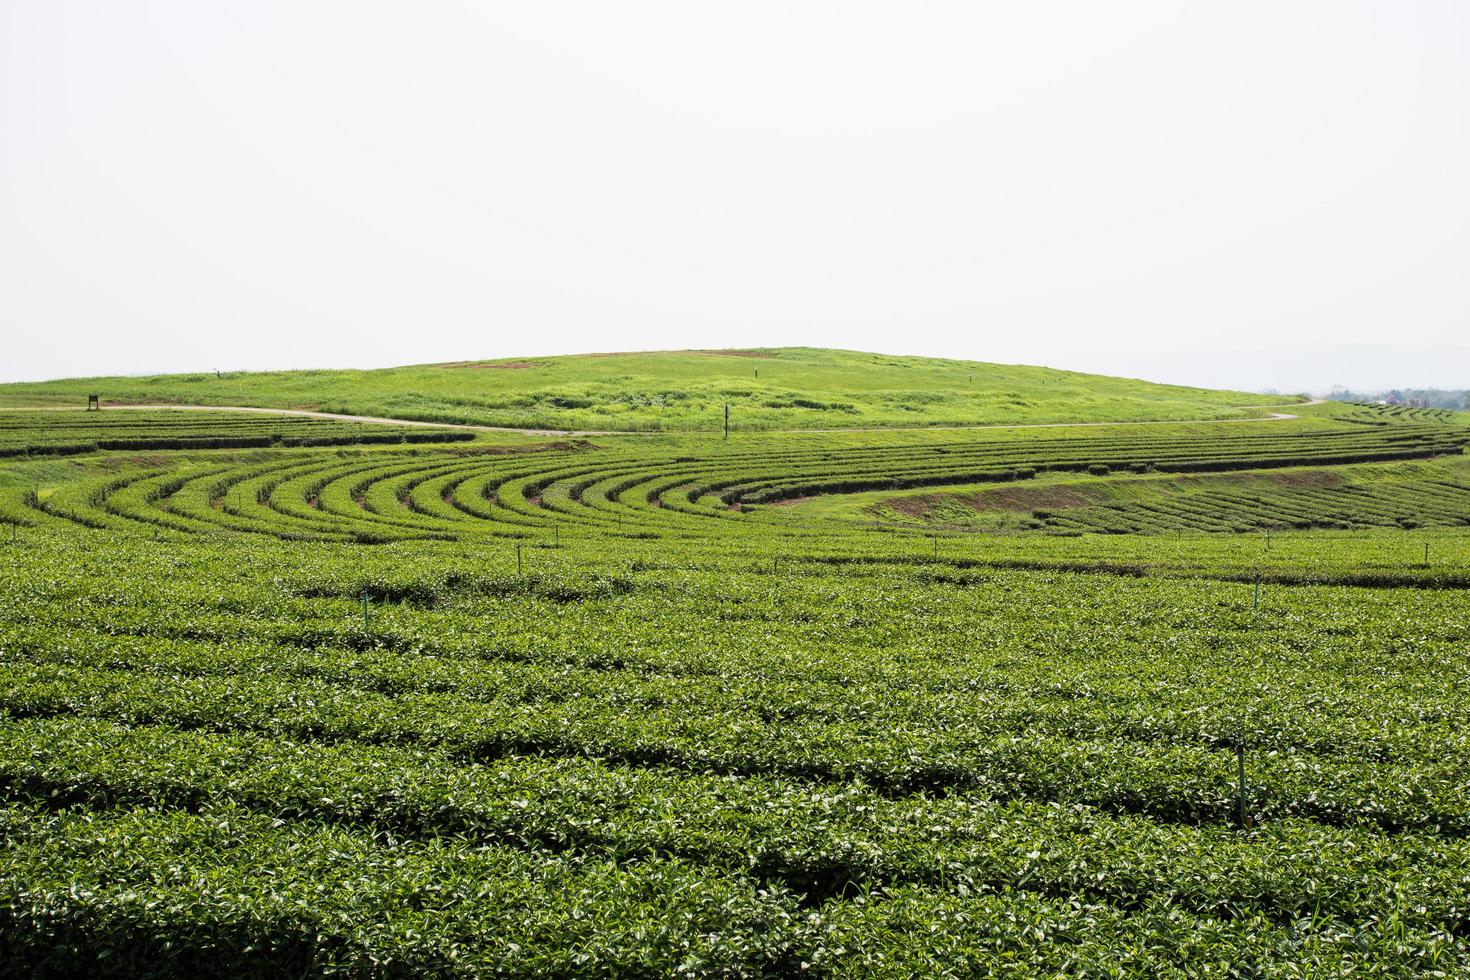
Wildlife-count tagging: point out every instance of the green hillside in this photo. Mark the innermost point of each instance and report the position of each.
(304, 697)
(781, 388)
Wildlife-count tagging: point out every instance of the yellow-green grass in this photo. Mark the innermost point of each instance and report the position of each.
(778, 388)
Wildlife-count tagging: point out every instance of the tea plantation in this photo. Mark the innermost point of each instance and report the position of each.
(682, 705)
(63, 433)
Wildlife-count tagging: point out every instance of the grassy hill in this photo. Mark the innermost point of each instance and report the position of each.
(276, 699)
(780, 388)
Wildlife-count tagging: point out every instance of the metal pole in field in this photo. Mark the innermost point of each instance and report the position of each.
(1257, 604)
(1426, 553)
(518, 558)
(1240, 800)
(727, 420)
(366, 622)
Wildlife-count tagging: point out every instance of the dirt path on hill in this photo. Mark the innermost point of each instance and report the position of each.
(333, 416)
(378, 420)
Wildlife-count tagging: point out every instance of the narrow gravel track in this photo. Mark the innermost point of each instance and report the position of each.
(374, 419)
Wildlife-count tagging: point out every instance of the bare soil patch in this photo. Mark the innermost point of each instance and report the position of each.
(1307, 478)
(1001, 498)
(788, 502)
(118, 462)
(763, 354)
(493, 365)
(1029, 498)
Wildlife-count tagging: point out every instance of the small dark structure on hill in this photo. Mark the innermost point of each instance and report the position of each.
(93, 403)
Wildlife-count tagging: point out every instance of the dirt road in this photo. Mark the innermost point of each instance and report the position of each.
(378, 420)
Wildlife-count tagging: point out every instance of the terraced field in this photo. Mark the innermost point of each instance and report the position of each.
(680, 491)
(661, 705)
(71, 433)
(1347, 498)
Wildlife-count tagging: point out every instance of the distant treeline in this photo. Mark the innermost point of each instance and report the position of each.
(1457, 400)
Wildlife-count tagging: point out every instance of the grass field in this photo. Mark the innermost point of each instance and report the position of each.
(786, 388)
(914, 703)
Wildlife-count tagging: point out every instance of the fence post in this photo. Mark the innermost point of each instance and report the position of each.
(1240, 798)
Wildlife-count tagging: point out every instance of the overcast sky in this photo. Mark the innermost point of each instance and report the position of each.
(1201, 192)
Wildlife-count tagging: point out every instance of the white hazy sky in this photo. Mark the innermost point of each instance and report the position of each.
(1234, 192)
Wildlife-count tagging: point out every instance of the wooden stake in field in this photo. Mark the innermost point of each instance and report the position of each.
(1240, 798)
(727, 420)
